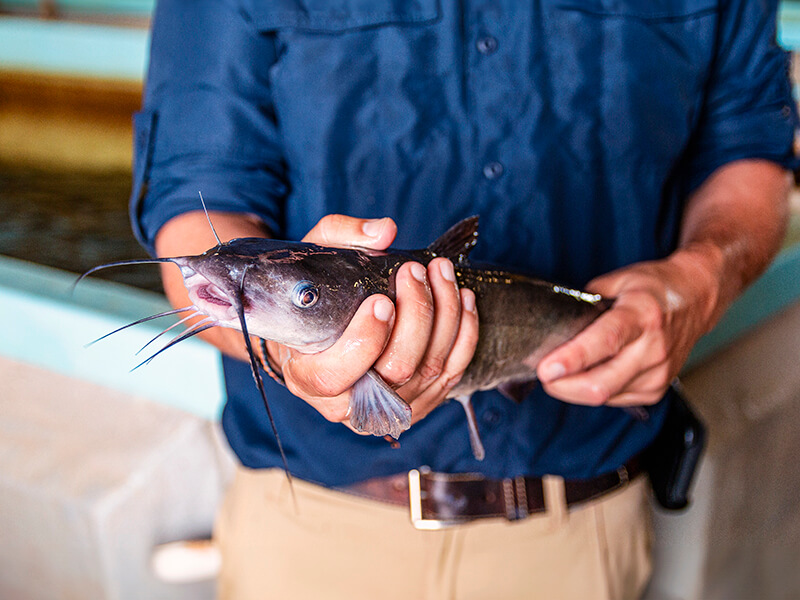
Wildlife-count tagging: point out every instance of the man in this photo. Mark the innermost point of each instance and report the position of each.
(635, 149)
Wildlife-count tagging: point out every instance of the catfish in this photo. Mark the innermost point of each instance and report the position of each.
(304, 295)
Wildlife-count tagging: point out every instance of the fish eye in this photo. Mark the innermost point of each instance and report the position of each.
(305, 294)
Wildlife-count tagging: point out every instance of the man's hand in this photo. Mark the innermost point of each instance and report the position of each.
(732, 227)
(631, 353)
(420, 346)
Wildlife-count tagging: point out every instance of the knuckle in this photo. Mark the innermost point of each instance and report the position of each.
(452, 308)
(660, 352)
(614, 336)
(471, 339)
(662, 376)
(424, 309)
(331, 412)
(329, 226)
(398, 371)
(291, 380)
(325, 383)
(598, 394)
(431, 368)
(577, 356)
(451, 381)
(652, 313)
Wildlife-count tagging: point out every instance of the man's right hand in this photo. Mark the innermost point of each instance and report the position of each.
(420, 346)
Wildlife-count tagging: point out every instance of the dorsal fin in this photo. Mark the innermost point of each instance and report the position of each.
(457, 241)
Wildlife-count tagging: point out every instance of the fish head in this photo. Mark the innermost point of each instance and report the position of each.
(297, 294)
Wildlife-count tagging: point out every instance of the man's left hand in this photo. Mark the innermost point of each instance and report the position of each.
(631, 353)
(732, 227)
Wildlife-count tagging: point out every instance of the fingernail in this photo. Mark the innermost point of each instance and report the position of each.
(419, 272)
(383, 310)
(446, 268)
(373, 227)
(552, 371)
(469, 301)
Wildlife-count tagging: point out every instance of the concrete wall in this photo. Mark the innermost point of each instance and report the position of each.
(99, 464)
(91, 479)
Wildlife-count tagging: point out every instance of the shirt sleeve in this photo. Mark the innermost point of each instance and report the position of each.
(749, 110)
(207, 123)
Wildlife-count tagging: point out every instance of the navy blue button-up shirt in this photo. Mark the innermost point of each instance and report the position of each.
(576, 129)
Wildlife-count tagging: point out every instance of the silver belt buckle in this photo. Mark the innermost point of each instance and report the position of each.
(415, 504)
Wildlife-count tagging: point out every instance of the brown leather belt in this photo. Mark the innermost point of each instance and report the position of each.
(438, 500)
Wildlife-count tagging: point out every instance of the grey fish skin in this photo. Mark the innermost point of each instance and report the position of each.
(521, 320)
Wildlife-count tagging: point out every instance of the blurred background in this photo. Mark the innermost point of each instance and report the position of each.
(70, 77)
(100, 465)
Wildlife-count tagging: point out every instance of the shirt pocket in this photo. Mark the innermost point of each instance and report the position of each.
(322, 16)
(646, 64)
(348, 71)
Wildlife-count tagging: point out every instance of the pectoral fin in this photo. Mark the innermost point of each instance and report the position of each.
(376, 408)
(474, 436)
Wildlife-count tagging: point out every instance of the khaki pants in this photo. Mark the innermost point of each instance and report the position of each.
(335, 545)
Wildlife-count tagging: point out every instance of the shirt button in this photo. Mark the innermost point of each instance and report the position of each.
(486, 44)
(491, 417)
(492, 170)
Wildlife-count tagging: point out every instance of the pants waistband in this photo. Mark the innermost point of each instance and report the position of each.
(437, 500)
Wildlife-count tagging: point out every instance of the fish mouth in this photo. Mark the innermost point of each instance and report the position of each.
(209, 298)
(211, 294)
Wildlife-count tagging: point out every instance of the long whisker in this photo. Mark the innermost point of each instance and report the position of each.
(171, 327)
(260, 384)
(123, 263)
(174, 311)
(208, 218)
(192, 331)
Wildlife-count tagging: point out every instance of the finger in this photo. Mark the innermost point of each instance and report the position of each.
(332, 372)
(638, 399)
(333, 408)
(412, 329)
(645, 389)
(460, 356)
(341, 230)
(601, 340)
(633, 366)
(445, 326)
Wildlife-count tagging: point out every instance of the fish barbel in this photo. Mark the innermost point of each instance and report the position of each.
(303, 295)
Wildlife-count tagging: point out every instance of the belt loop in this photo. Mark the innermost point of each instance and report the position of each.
(515, 498)
(510, 499)
(555, 498)
(624, 476)
(522, 497)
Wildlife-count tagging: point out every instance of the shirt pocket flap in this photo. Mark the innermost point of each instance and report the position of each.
(642, 9)
(341, 15)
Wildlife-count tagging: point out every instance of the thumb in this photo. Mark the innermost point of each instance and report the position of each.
(333, 371)
(341, 230)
